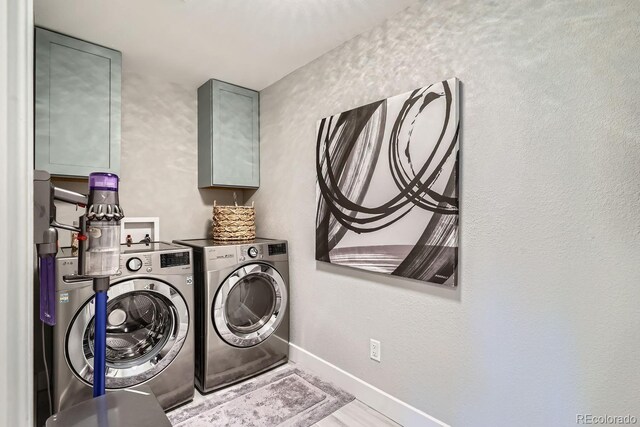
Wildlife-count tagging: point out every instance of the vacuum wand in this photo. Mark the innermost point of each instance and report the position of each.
(100, 287)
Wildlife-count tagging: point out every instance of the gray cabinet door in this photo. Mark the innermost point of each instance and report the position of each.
(228, 136)
(77, 111)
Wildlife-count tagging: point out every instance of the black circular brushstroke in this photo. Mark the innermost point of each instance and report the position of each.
(400, 176)
(336, 138)
(407, 194)
(411, 192)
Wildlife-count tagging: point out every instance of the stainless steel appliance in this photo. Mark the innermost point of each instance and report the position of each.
(242, 313)
(149, 326)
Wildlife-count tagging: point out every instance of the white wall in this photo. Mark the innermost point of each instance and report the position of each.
(545, 322)
(159, 160)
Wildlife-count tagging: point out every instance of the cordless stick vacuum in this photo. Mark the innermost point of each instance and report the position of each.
(98, 256)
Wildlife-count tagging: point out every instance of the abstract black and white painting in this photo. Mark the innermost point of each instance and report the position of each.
(387, 188)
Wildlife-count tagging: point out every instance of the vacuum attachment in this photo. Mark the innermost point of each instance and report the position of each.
(45, 236)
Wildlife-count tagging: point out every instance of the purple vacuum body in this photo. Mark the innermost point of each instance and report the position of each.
(103, 181)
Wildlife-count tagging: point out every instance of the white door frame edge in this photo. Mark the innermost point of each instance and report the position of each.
(16, 213)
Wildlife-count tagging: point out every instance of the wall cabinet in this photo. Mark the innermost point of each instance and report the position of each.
(228, 136)
(77, 106)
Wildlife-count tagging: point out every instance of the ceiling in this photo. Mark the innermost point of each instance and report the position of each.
(251, 43)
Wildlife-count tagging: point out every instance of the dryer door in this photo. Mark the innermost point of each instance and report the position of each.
(249, 305)
(147, 323)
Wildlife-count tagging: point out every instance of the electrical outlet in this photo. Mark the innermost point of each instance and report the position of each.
(374, 350)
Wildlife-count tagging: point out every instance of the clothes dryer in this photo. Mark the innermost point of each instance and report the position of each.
(242, 311)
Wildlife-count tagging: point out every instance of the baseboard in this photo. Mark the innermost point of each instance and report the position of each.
(383, 402)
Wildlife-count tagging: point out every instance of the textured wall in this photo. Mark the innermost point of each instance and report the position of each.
(159, 160)
(545, 322)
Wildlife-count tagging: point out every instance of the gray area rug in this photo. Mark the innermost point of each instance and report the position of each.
(286, 397)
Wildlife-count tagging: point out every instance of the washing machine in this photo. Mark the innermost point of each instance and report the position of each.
(242, 313)
(149, 326)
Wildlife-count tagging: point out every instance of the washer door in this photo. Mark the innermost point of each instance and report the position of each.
(249, 305)
(147, 323)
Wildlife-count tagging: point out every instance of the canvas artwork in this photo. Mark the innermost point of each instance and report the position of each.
(387, 185)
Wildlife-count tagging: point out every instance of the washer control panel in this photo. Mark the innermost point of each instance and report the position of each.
(134, 264)
(252, 252)
(174, 259)
(177, 261)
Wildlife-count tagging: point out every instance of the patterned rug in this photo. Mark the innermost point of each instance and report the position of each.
(288, 396)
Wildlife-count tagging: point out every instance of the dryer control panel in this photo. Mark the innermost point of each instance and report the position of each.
(251, 252)
(223, 255)
(219, 257)
(277, 249)
(263, 251)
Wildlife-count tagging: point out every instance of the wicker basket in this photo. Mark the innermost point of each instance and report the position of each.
(233, 223)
